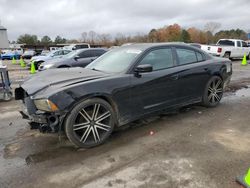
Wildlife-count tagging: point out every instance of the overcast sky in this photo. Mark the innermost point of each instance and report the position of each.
(69, 18)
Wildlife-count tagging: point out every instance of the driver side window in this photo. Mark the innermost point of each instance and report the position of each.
(159, 59)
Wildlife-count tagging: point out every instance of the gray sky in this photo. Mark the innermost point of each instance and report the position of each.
(69, 18)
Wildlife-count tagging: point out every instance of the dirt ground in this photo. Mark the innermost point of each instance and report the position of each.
(194, 148)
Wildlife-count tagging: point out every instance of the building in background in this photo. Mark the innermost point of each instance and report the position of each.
(4, 42)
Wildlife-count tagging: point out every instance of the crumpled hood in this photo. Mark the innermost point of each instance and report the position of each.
(61, 76)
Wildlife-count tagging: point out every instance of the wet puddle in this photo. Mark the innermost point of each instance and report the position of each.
(245, 92)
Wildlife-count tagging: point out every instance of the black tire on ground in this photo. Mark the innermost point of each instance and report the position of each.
(213, 92)
(7, 96)
(227, 55)
(37, 64)
(90, 123)
(248, 56)
(63, 66)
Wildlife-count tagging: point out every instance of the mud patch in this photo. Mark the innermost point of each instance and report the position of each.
(233, 139)
(48, 155)
(11, 149)
(237, 85)
(170, 173)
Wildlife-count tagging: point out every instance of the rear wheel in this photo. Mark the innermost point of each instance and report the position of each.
(227, 55)
(90, 123)
(213, 92)
(248, 56)
(7, 96)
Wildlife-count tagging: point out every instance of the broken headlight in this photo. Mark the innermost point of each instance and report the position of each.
(45, 105)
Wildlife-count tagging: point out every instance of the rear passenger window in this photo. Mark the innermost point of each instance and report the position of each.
(86, 54)
(238, 44)
(186, 56)
(98, 52)
(159, 59)
(199, 56)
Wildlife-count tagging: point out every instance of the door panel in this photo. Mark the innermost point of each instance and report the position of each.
(157, 89)
(193, 74)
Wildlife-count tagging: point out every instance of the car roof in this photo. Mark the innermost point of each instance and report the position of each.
(233, 39)
(87, 49)
(144, 46)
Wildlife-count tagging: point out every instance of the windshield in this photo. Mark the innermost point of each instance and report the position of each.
(115, 61)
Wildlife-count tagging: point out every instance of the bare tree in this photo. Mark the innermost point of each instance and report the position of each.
(120, 39)
(92, 37)
(212, 26)
(84, 37)
(105, 39)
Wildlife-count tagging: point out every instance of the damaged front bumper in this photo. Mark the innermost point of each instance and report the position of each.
(45, 122)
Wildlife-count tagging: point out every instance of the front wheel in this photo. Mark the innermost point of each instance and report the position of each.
(90, 123)
(213, 92)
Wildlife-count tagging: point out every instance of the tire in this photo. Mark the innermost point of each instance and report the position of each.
(63, 66)
(227, 55)
(213, 92)
(37, 64)
(90, 123)
(248, 56)
(7, 96)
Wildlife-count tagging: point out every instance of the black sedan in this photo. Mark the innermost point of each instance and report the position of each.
(121, 86)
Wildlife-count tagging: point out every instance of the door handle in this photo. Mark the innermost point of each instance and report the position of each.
(174, 77)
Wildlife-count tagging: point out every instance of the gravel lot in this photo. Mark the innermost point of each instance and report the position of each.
(196, 147)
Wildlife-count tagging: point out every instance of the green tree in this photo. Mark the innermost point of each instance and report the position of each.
(27, 39)
(234, 34)
(185, 37)
(46, 40)
(152, 35)
(59, 40)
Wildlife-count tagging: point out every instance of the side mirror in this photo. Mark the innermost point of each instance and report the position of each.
(77, 57)
(144, 68)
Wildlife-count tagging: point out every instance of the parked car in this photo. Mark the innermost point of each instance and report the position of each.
(28, 54)
(228, 48)
(38, 60)
(77, 46)
(10, 55)
(123, 85)
(77, 58)
(45, 52)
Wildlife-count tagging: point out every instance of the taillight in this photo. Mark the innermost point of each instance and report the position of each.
(219, 50)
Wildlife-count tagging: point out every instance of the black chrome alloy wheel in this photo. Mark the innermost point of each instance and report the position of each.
(90, 123)
(213, 92)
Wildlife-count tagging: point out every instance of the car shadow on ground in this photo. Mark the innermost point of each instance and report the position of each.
(37, 147)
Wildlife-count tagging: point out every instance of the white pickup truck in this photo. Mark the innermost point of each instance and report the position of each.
(228, 48)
